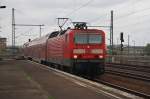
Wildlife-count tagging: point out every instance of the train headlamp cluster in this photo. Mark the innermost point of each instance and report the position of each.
(93, 51)
(79, 51)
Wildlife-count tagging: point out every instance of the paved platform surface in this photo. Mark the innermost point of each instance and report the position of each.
(27, 80)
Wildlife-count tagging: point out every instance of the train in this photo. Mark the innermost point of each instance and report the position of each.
(78, 50)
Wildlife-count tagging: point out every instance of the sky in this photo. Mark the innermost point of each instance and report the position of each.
(132, 17)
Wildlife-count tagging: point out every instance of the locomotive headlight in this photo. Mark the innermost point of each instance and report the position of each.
(75, 56)
(100, 56)
(96, 51)
(79, 51)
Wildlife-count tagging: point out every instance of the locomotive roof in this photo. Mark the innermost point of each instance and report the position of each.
(54, 34)
(91, 30)
(86, 29)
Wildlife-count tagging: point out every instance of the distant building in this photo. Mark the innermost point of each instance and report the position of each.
(2, 43)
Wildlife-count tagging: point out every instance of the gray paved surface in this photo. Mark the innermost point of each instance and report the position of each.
(26, 80)
(16, 84)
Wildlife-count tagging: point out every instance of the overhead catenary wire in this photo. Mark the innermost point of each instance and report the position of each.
(123, 16)
(82, 6)
(131, 13)
(100, 18)
(22, 34)
(134, 24)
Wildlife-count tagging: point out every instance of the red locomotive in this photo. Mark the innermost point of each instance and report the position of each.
(79, 50)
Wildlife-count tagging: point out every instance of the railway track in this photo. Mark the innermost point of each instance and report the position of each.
(132, 73)
(141, 94)
(129, 75)
(130, 67)
(129, 71)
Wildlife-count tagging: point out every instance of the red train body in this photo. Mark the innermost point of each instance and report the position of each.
(81, 51)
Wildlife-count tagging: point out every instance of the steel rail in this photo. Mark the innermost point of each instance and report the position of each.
(143, 69)
(129, 75)
(147, 96)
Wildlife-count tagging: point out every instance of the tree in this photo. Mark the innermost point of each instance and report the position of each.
(147, 49)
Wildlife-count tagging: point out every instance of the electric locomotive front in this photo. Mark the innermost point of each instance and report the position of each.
(88, 51)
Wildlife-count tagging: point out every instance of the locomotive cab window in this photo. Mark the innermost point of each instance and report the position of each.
(88, 38)
(54, 34)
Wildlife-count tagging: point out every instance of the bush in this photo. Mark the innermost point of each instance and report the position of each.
(147, 49)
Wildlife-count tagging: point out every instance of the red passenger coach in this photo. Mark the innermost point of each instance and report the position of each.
(79, 50)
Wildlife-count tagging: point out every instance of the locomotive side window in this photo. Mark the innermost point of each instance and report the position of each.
(88, 38)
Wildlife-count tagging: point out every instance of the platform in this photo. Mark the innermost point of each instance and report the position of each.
(20, 79)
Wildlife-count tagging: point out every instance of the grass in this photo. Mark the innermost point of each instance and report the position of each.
(50, 97)
(28, 77)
